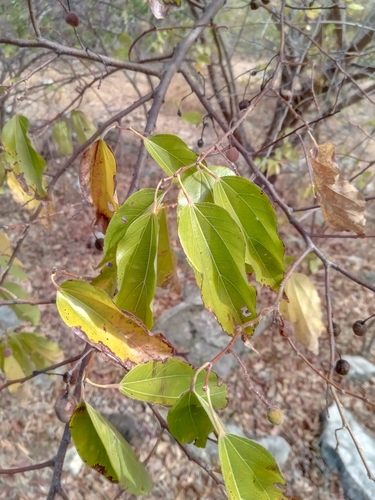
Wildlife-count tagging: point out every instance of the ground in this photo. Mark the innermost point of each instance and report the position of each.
(29, 429)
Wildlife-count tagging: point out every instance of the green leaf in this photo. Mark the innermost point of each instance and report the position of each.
(26, 163)
(137, 204)
(171, 153)
(199, 186)
(193, 117)
(215, 248)
(355, 6)
(163, 383)
(255, 215)
(107, 279)
(16, 270)
(25, 312)
(136, 268)
(117, 334)
(250, 471)
(63, 138)
(103, 448)
(30, 351)
(82, 126)
(188, 421)
(166, 258)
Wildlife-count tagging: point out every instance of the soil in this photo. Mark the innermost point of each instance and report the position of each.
(29, 429)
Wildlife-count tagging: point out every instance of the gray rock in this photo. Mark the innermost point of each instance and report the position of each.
(8, 320)
(196, 334)
(345, 461)
(277, 446)
(360, 368)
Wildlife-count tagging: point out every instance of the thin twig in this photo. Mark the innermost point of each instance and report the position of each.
(35, 373)
(27, 468)
(33, 19)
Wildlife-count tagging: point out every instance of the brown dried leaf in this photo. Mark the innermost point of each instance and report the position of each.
(97, 177)
(342, 204)
(303, 310)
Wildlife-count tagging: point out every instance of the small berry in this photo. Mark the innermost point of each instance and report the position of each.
(200, 143)
(72, 19)
(232, 154)
(7, 352)
(287, 329)
(245, 103)
(254, 5)
(65, 406)
(342, 367)
(275, 416)
(336, 329)
(359, 328)
(266, 2)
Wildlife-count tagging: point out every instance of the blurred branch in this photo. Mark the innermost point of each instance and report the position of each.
(27, 468)
(170, 69)
(56, 488)
(33, 19)
(35, 373)
(80, 54)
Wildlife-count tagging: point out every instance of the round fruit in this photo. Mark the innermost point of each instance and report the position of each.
(7, 352)
(200, 143)
(245, 103)
(336, 329)
(65, 406)
(342, 367)
(359, 328)
(275, 416)
(232, 154)
(254, 6)
(72, 19)
(287, 329)
(266, 2)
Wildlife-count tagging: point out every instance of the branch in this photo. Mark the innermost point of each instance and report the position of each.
(170, 69)
(25, 301)
(56, 487)
(35, 373)
(191, 457)
(27, 468)
(33, 19)
(80, 54)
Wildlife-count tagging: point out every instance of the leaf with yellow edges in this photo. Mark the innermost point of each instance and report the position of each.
(117, 334)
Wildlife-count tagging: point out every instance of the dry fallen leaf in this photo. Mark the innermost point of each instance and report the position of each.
(303, 310)
(342, 204)
(97, 178)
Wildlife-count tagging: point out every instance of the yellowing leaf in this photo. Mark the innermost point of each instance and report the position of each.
(25, 199)
(342, 204)
(117, 334)
(26, 163)
(303, 310)
(97, 177)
